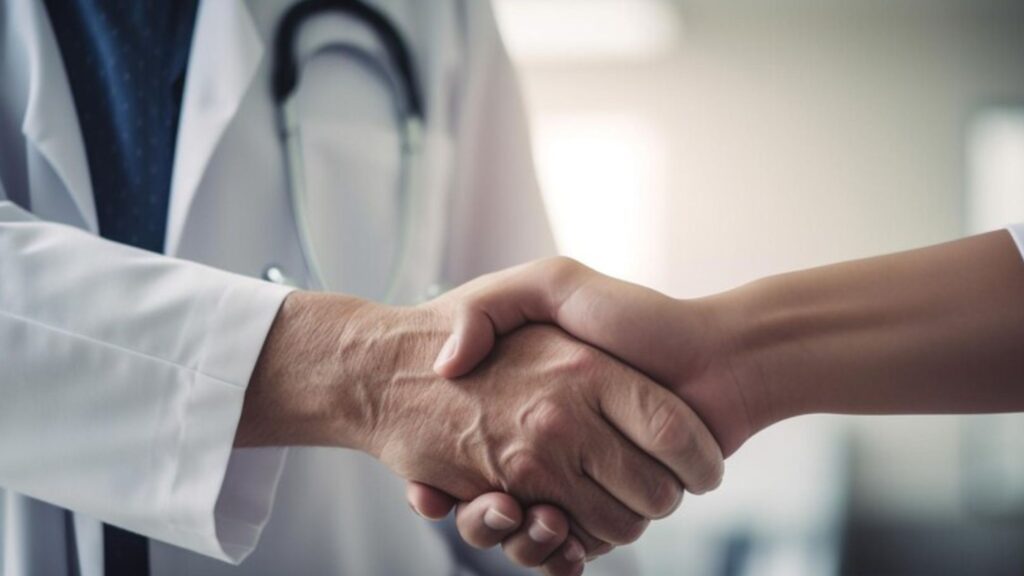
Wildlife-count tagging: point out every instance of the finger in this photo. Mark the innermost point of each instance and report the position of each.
(471, 340)
(499, 303)
(568, 560)
(487, 520)
(632, 477)
(543, 531)
(593, 547)
(605, 517)
(662, 425)
(428, 501)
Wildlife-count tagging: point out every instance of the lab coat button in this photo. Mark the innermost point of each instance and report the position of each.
(275, 274)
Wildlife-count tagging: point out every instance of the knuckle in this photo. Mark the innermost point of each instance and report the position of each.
(522, 468)
(582, 359)
(524, 556)
(712, 478)
(630, 530)
(665, 496)
(673, 432)
(560, 267)
(599, 549)
(548, 421)
(591, 544)
(670, 431)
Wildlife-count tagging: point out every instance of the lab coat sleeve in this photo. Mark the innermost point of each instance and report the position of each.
(122, 382)
(498, 217)
(1017, 232)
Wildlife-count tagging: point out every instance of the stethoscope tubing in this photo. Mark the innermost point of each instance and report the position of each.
(409, 112)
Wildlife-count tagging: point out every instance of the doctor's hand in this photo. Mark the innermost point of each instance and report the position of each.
(546, 418)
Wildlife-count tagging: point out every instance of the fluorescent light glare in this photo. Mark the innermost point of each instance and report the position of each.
(559, 31)
(603, 179)
(996, 167)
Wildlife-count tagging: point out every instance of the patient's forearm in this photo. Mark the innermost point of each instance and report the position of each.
(935, 330)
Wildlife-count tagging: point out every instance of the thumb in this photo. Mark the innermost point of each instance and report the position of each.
(470, 342)
(499, 303)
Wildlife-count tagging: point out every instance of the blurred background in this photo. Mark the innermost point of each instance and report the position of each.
(694, 145)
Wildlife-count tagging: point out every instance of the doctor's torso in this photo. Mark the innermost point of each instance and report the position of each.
(335, 512)
(235, 212)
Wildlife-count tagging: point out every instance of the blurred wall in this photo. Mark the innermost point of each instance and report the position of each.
(777, 135)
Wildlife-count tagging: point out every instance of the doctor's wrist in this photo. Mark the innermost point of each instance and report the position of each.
(310, 384)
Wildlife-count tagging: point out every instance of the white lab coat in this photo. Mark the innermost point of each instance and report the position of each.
(122, 373)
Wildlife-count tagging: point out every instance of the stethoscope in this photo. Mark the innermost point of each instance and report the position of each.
(409, 111)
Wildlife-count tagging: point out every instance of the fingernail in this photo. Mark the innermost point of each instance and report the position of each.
(413, 508)
(447, 351)
(574, 552)
(540, 533)
(495, 520)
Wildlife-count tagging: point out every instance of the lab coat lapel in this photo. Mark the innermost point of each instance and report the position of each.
(50, 124)
(225, 55)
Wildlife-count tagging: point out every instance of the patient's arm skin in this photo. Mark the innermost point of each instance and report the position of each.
(933, 330)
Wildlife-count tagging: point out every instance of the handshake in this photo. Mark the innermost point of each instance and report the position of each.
(595, 403)
(591, 402)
